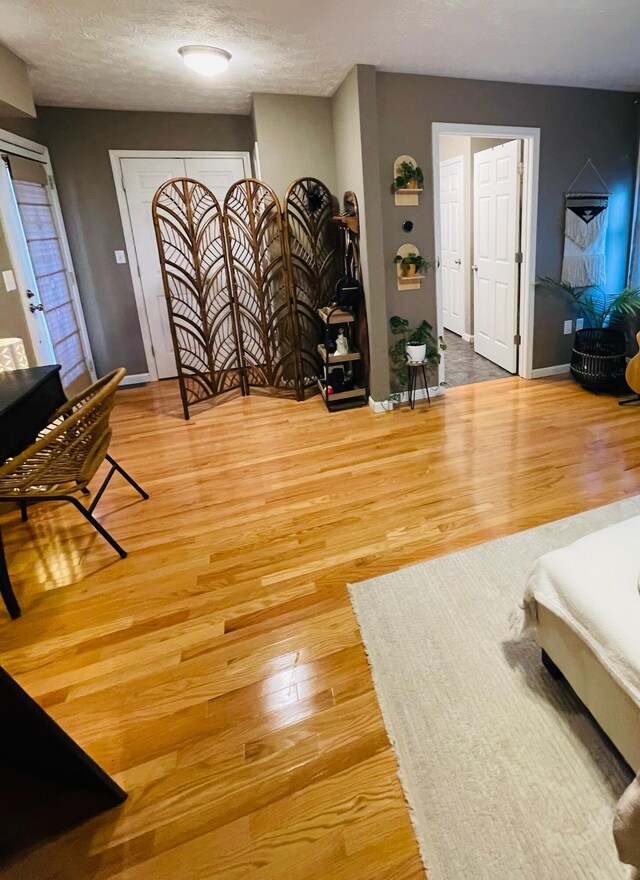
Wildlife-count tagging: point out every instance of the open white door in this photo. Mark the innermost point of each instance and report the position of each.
(452, 243)
(141, 178)
(496, 221)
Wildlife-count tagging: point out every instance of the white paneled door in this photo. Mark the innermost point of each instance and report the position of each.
(496, 222)
(452, 243)
(141, 177)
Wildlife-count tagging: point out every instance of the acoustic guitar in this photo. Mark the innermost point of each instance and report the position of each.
(632, 376)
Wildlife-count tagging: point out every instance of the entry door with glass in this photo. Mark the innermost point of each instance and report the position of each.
(141, 178)
(44, 302)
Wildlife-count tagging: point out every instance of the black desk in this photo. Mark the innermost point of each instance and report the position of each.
(28, 399)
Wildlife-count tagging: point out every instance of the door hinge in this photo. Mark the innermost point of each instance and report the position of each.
(519, 257)
(520, 167)
(50, 183)
(517, 339)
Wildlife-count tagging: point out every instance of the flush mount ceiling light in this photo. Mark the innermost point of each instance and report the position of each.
(206, 60)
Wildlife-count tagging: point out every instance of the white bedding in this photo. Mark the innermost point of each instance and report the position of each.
(592, 585)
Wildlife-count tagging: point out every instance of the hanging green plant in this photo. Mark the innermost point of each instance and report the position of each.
(412, 264)
(409, 176)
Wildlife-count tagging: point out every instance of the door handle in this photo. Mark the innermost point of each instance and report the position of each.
(37, 308)
(474, 267)
(458, 262)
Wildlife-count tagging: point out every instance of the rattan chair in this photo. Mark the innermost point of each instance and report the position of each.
(63, 460)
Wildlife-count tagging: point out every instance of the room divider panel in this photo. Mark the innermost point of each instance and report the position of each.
(243, 284)
(313, 266)
(188, 223)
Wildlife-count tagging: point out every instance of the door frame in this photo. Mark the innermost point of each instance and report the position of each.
(463, 227)
(17, 145)
(127, 227)
(530, 138)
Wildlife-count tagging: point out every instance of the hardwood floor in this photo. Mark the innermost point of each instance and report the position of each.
(218, 672)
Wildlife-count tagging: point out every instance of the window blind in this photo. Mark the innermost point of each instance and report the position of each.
(51, 275)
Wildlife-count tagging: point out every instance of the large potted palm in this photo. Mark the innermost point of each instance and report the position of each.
(598, 360)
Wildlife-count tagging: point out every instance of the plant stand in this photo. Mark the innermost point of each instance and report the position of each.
(413, 370)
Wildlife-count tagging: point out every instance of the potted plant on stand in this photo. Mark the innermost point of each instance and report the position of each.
(416, 344)
(409, 176)
(412, 264)
(598, 360)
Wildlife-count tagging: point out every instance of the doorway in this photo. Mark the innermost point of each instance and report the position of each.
(39, 303)
(485, 208)
(137, 176)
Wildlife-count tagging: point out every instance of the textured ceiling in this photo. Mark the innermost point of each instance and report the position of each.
(122, 53)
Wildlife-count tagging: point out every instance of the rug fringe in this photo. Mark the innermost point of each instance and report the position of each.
(387, 718)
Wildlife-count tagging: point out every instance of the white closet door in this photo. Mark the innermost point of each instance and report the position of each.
(218, 173)
(452, 236)
(496, 241)
(141, 179)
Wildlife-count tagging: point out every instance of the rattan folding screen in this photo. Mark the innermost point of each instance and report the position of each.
(243, 284)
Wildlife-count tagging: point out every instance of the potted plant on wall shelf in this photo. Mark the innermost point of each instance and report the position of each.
(598, 360)
(409, 176)
(412, 264)
(415, 344)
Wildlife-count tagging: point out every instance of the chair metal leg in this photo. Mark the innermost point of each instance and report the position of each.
(127, 477)
(24, 515)
(6, 590)
(100, 491)
(94, 522)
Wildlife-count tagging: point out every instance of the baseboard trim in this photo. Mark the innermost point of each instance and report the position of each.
(379, 406)
(467, 337)
(558, 370)
(136, 379)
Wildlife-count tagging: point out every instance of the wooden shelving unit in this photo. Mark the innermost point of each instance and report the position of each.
(337, 358)
(336, 316)
(356, 396)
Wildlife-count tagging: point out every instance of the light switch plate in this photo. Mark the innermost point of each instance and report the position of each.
(579, 323)
(568, 327)
(121, 257)
(9, 280)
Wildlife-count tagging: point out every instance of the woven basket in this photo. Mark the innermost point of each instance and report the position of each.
(598, 361)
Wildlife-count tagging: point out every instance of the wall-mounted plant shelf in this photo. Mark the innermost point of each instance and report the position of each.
(406, 195)
(408, 282)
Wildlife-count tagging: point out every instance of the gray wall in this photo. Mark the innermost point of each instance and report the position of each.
(23, 126)
(295, 139)
(79, 141)
(575, 124)
(355, 129)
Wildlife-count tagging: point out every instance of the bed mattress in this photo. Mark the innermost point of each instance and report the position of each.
(592, 586)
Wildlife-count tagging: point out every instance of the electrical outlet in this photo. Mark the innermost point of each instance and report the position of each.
(568, 327)
(579, 323)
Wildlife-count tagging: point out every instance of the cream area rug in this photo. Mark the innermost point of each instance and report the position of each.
(506, 775)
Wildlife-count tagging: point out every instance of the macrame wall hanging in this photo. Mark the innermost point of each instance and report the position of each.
(585, 231)
(243, 283)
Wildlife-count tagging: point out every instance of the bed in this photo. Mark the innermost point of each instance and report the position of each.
(583, 603)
